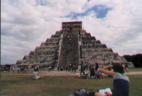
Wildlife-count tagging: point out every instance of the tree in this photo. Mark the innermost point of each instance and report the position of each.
(135, 59)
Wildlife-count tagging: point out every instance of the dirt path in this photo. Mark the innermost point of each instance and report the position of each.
(65, 73)
(59, 73)
(135, 73)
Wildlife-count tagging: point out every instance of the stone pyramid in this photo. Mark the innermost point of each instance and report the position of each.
(71, 46)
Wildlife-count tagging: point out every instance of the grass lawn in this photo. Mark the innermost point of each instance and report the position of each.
(12, 84)
(135, 69)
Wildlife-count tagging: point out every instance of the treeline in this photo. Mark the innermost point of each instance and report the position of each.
(135, 59)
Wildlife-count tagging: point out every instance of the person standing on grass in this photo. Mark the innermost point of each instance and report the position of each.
(120, 81)
(96, 67)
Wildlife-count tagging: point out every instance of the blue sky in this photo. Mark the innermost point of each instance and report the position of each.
(27, 23)
(100, 11)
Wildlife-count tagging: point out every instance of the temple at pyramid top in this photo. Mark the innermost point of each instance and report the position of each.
(71, 46)
(77, 24)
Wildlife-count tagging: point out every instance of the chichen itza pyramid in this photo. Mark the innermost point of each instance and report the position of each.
(71, 46)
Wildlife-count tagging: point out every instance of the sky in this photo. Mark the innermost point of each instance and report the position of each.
(27, 23)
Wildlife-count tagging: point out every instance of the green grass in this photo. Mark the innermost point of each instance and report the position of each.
(12, 84)
(135, 69)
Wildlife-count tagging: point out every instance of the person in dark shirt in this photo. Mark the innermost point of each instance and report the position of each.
(97, 66)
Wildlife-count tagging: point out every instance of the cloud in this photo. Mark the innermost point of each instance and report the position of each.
(120, 27)
(27, 23)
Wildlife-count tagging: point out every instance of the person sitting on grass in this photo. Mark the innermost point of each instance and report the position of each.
(36, 72)
(120, 81)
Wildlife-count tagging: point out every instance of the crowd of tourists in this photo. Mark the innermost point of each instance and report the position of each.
(90, 71)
